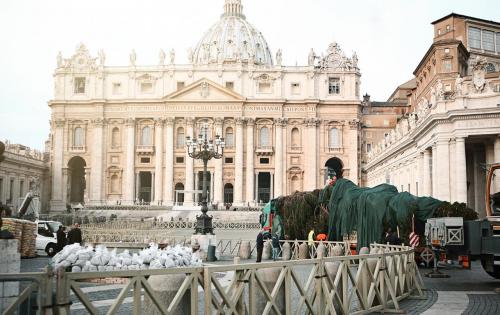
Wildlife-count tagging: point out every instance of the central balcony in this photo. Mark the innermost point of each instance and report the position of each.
(264, 150)
(145, 149)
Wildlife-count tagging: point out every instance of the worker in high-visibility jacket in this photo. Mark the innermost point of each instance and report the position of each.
(310, 242)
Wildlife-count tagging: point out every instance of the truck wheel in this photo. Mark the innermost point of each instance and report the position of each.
(490, 268)
(51, 249)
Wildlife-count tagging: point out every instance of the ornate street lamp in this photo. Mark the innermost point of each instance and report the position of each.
(204, 149)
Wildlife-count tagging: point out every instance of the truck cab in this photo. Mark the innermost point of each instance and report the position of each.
(46, 239)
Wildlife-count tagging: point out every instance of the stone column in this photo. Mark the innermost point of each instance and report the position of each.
(188, 197)
(58, 187)
(169, 163)
(420, 175)
(427, 176)
(353, 158)
(158, 183)
(217, 179)
(130, 166)
(238, 171)
(250, 175)
(496, 155)
(443, 170)
(461, 173)
(310, 163)
(279, 160)
(97, 161)
(434, 167)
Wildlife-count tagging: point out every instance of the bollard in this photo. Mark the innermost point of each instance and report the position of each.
(165, 287)
(286, 251)
(267, 251)
(321, 250)
(245, 251)
(332, 268)
(303, 251)
(336, 251)
(269, 276)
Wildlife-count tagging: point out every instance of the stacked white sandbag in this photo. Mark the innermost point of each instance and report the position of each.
(87, 259)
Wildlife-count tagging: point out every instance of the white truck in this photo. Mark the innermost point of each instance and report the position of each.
(46, 239)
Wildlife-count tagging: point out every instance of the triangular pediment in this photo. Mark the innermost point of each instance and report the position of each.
(204, 90)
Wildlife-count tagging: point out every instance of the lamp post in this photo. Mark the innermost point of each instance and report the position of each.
(204, 149)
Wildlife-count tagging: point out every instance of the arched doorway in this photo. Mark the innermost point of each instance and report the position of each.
(76, 170)
(228, 193)
(336, 165)
(179, 193)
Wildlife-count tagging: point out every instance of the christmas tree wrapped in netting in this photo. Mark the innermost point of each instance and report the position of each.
(369, 210)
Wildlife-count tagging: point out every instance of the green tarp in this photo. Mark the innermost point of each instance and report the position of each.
(368, 210)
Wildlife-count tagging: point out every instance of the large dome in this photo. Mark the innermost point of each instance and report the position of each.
(232, 39)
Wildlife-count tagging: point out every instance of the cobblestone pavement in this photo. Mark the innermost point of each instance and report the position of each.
(465, 292)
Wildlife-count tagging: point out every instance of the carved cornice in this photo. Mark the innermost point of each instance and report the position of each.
(312, 122)
(170, 121)
(159, 122)
(98, 122)
(130, 122)
(281, 121)
(219, 121)
(59, 123)
(240, 121)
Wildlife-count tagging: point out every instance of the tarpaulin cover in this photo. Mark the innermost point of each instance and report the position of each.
(367, 210)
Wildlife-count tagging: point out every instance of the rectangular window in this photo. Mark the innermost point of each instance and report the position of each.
(117, 88)
(146, 87)
(264, 160)
(474, 37)
(447, 65)
(368, 147)
(11, 191)
(264, 87)
(79, 85)
(488, 40)
(145, 160)
(228, 160)
(179, 159)
(333, 86)
(230, 85)
(21, 188)
(498, 42)
(295, 88)
(180, 85)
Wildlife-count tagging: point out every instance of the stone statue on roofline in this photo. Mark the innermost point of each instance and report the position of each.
(161, 57)
(133, 58)
(311, 57)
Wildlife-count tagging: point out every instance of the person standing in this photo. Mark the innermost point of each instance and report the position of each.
(310, 242)
(260, 243)
(75, 235)
(61, 238)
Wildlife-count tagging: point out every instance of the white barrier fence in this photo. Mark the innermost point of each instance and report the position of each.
(358, 284)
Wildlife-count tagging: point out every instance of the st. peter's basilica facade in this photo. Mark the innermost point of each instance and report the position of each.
(118, 133)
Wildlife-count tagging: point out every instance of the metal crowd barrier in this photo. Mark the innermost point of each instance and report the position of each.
(332, 285)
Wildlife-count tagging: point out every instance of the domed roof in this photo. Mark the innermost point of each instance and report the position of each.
(232, 39)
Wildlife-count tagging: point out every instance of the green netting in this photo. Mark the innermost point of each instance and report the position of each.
(368, 210)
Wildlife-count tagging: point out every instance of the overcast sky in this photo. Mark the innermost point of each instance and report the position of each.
(389, 36)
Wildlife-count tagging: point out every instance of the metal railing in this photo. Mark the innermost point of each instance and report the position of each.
(333, 285)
